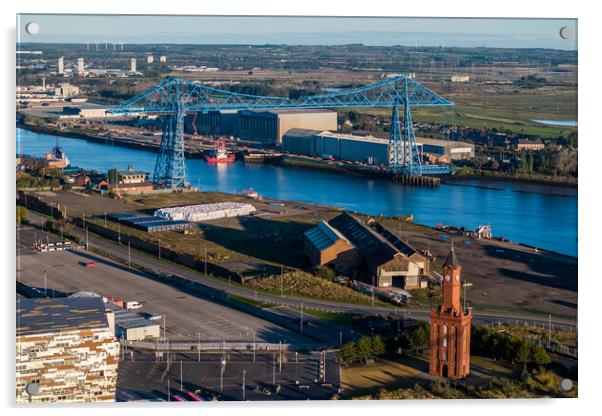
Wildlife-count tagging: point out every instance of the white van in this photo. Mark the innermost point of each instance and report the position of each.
(132, 305)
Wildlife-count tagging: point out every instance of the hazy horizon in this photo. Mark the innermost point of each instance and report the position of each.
(298, 31)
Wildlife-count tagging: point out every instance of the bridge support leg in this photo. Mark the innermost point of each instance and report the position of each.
(396, 151)
(170, 168)
(413, 163)
(404, 157)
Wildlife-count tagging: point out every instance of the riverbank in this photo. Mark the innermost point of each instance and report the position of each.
(541, 216)
(297, 161)
(129, 143)
(480, 174)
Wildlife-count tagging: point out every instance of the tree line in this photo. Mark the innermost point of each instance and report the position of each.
(503, 346)
(487, 342)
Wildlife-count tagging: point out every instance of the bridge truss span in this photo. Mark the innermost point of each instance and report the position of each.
(173, 98)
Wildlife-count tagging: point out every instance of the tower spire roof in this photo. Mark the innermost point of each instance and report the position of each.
(452, 260)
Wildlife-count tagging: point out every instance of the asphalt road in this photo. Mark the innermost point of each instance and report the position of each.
(153, 262)
(187, 316)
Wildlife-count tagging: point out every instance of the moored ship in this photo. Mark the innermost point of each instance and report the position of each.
(56, 158)
(220, 154)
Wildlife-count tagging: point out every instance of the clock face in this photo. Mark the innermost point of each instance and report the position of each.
(447, 277)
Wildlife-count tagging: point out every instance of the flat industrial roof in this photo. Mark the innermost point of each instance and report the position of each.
(372, 137)
(42, 315)
(288, 111)
(126, 319)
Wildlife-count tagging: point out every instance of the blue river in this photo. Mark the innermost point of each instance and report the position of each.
(540, 215)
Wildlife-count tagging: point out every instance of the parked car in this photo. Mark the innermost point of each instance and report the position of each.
(132, 304)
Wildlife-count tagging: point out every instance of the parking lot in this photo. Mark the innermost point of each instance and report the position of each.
(187, 316)
(141, 377)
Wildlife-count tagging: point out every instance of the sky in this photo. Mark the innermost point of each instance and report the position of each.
(447, 32)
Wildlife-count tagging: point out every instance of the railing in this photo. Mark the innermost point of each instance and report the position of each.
(555, 347)
(189, 346)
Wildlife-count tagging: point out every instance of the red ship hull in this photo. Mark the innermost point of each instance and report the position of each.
(231, 158)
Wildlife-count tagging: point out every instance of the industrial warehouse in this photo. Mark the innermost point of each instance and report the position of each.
(313, 132)
(366, 149)
(264, 126)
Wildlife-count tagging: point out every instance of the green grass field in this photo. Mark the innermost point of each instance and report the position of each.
(509, 108)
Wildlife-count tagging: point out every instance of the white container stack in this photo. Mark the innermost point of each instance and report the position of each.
(205, 212)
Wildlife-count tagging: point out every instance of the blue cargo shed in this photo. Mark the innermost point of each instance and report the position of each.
(141, 220)
(167, 225)
(120, 217)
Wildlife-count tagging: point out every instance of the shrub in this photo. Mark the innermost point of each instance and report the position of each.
(378, 346)
(325, 272)
(419, 339)
(540, 356)
(21, 214)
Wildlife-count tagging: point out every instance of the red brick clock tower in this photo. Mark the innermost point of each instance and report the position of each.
(450, 326)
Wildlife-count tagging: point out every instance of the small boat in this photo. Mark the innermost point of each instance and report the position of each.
(220, 154)
(251, 193)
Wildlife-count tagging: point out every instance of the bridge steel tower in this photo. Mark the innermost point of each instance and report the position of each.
(170, 167)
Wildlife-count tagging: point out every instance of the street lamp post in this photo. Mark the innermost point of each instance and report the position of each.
(279, 357)
(465, 285)
(372, 290)
(301, 316)
(549, 330)
(274, 369)
(281, 280)
(221, 380)
(324, 368)
(244, 373)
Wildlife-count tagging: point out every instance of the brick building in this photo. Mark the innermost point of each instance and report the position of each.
(324, 245)
(450, 326)
(530, 145)
(367, 250)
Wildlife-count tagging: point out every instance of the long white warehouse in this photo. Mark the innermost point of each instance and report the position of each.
(206, 212)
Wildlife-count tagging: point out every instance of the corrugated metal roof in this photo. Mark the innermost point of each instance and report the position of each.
(41, 315)
(374, 248)
(323, 235)
(400, 245)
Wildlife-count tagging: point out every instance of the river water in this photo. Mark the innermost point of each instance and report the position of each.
(540, 215)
